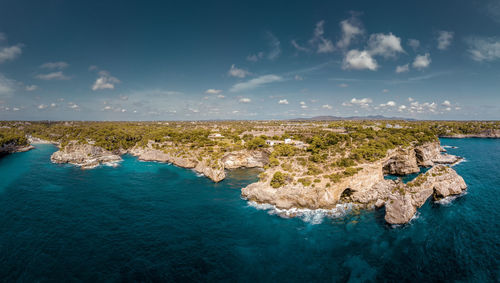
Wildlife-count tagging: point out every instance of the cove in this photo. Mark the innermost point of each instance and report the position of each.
(146, 221)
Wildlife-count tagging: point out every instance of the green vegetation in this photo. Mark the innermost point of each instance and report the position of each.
(12, 136)
(278, 180)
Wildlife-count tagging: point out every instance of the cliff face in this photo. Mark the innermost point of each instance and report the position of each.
(12, 148)
(245, 158)
(490, 133)
(216, 172)
(430, 154)
(439, 182)
(84, 155)
(403, 161)
(297, 195)
(368, 186)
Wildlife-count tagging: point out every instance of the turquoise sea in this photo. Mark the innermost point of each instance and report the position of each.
(146, 221)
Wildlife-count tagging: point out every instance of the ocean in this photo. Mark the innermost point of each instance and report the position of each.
(147, 221)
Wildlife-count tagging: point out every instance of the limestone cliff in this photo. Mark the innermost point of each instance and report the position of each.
(12, 148)
(84, 155)
(430, 154)
(439, 182)
(246, 159)
(489, 133)
(313, 197)
(214, 170)
(402, 161)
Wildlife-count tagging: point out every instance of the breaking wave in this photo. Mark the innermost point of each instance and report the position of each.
(313, 216)
(449, 199)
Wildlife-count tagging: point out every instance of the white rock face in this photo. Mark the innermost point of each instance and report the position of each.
(245, 158)
(440, 181)
(402, 162)
(84, 155)
(11, 148)
(231, 160)
(298, 196)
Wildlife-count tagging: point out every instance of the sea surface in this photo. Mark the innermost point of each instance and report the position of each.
(146, 221)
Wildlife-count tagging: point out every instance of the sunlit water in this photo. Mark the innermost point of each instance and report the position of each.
(145, 221)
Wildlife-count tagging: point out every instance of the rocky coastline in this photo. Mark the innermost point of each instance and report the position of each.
(366, 188)
(13, 148)
(486, 134)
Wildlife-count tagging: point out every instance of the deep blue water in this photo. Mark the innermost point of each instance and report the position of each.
(146, 221)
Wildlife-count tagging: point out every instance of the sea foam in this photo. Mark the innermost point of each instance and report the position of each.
(313, 216)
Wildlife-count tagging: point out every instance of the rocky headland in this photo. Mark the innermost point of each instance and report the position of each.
(368, 188)
(84, 155)
(489, 133)
(13, 148)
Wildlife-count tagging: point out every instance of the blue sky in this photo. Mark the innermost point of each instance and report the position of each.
(190, 60)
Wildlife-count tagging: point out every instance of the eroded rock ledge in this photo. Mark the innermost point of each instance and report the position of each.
(89, 156)
(367, 186)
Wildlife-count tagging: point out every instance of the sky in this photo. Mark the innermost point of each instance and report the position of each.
(204, 60)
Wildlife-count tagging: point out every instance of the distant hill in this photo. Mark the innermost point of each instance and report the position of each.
(336, 118)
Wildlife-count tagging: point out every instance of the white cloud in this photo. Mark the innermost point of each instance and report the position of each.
(402, 68)
(422, 61)
(401, 108)
(343, 85)
(6, 85)
(322, 44)
(59, 75)
(254, 83)
(105, 81)
(236, 72)
(73, 106)
(359, 60)
(298, 78)
(363, 103)
(298, 47)
(53, 105)
(255, 57)
(213, 91)
(31, 87)
(484, 49)
(220, 96)
(54, 65)
(326, 106)
(410, 99)
(426, 107)
(385, 45)
(303, 105)
(385, 90)
(414, 44)
(42, 106)
(351, 28)
(388, 104)
(275, 47)
(283, 101)
(446, 103)
(444, 39)
(245, 100)
(172, 92)
(10, 52)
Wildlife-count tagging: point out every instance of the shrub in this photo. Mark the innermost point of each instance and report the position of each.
(278, 180)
